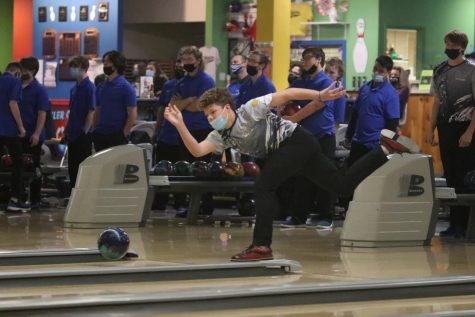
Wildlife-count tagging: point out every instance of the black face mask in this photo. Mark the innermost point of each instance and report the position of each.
(292, 78)
(189, 67)
(452, 53)
(252, 70)
(25, 77)
(108, 70)
(394, 81)
(179, 73)
(311, 70)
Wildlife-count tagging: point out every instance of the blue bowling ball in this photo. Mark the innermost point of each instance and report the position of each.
(113, 243)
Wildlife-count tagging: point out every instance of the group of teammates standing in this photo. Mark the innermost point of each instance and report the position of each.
(250, 82)
(24, 105)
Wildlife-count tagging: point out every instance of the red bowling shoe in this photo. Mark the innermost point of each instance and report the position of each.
(254, 253)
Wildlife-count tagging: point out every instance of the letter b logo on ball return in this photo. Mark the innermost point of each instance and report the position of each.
(127, 174)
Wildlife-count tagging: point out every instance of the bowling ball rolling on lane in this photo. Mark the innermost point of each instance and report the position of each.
(113, 243)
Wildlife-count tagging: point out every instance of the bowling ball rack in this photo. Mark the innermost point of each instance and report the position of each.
(197, 186)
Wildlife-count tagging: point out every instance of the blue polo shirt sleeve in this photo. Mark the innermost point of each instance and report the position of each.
(270, 87)
(391, 106)
(43, 100)
(168, 91)
(130, 97)
(91, 97)
(14, 94)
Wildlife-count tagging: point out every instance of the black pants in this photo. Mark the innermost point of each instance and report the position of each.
(301, 155)
(78, 151)
(357, 151)
(105, 141)
(14, 147)
(306, 194)
(35, 185)
(456, 161)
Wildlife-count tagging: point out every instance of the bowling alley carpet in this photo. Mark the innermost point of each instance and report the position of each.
(168, 240)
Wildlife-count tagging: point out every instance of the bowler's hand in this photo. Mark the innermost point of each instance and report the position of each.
(465, 139)
(331, 94)
(173, 115)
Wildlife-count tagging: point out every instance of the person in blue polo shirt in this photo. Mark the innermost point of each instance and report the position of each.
(318, 118)
(116, 104)
(238, 69)
(335, 70)
(376, 108)
(12, 132)
(167, 137)
(82, 101)
(257, 84)
(187, 93)
(33, 107)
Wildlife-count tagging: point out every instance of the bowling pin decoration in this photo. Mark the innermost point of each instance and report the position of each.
(333, 15)
(52, 15)
(92, 15)
(73, 14)
(360, 51)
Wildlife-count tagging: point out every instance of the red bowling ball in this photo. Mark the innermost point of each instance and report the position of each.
(251, 169)
(290, 109)
(6, 161)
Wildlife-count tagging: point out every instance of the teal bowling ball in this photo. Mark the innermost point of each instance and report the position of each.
(182, 168)
(113, 243)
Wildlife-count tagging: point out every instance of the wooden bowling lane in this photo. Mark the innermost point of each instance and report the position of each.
(250, 296)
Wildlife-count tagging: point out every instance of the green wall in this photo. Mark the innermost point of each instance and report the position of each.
(369, 11)
(6, 32)
(432, 19)
(216, 34)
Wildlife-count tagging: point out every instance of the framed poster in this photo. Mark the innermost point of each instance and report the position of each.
(63, 14)
(103, 11)
(83, 13)
(41, 14)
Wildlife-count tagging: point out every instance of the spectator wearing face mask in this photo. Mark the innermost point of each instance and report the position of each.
(33, 107)
(116, 104)
(295, 72)
(82, 102)
(159, 77)
(257, 84)
(398, 78)
(238, 74)
(12, 132)
(376, 108)
(335, 70)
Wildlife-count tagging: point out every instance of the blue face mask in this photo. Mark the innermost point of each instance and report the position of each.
(377, 78)
(149, 73)
(235, 68)
(75, 73)
(220, 122)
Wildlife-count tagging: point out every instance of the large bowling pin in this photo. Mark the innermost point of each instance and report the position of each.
(52, 15)
(92, 15)
(360, 51)
(73, 13)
